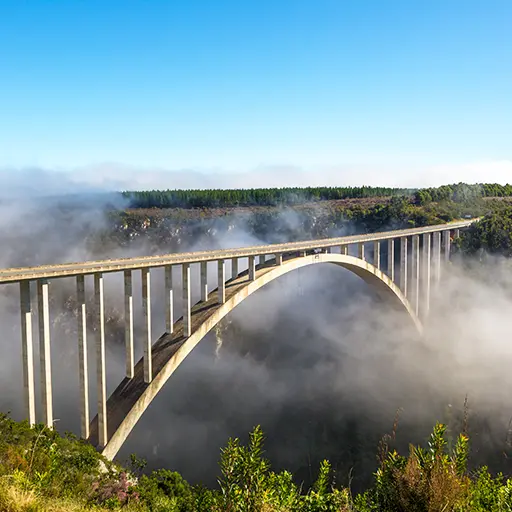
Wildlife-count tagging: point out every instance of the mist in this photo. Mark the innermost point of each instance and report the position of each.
(313, 357)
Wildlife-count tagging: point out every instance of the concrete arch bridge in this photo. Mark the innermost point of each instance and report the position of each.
(412, 263)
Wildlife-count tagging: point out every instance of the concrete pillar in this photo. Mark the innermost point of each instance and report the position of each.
(169, 300)
(456, 233)
(376, 254)
(437, 257)
(234, 268)
(252, 268)
(204, 281)
(27, 351)
(415, 273)
(279, 259)
(391, 259)
(344, 249)
(187, 315)
(45, 352)
(361, 251)
(426, 275)
(83, 372)
(302, 254)
(101, 376)
(128, 324)
(221, 282)
(262, 259)
(446, 243)
(403, 265)
(148, 339)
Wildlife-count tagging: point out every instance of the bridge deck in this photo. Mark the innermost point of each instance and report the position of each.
(11, 275)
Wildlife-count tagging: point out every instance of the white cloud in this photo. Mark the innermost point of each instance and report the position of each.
(112, 176)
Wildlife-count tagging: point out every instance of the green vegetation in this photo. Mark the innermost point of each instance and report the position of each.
(462, 192)
(41, 471)
(493, 234)
(288, 196)
(252, 197)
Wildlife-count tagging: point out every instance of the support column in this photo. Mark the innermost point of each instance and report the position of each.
(361, 251)
(252, 268)
(437, 257)
(169, 300)
(344, 249)
(221, 282)
(187, 317)
(146, 310)
(415, 277)
(45, 352)
(391, 259)
(128, 324)
(27, 351)
(426, 275)
(204, 281)
(376, 254)
(234, 268)
(279, 259)
(82, 357)
(262, 259)
(403, 265)
(456, 233)
(446, 243)
(101, 379)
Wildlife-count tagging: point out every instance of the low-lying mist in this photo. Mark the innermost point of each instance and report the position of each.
(314, 357)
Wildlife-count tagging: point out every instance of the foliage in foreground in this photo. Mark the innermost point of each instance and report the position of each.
(41, 471)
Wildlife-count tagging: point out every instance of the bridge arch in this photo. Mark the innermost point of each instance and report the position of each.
(133, 396)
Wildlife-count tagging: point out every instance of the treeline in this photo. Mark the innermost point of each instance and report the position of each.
(289, 196)
(462, 192)
(252, 197)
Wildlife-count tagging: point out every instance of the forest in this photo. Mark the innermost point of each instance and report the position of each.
(460, 192)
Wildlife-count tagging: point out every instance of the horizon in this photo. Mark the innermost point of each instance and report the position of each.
(130, 95)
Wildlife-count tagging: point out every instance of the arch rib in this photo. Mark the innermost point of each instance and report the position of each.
(133, 396)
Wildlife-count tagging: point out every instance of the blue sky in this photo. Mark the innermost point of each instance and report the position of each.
(396, 88)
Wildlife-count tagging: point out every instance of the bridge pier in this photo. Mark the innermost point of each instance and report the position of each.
(446, 237)
(169, 300)
(221, 281)
(262, 259)
(437, 257)
(204, 281)
(148, 337)
(101, 379)
(128, 323)
(376, 254)
(344, 249)
(187, 325)
(426, 275)
(44, 352)
(403, 265)
(27, 351)
(83, 371)
(252, 268)
(234, 268)
(361, 251)
(415, 273)
(279, 258)
(391, 259)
